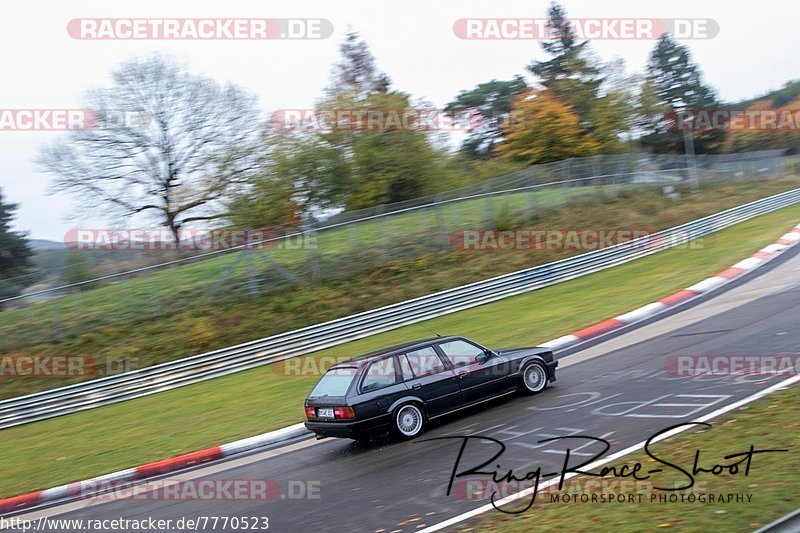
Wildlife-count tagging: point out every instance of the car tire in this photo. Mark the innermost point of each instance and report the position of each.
(408, 421)
(533, 378)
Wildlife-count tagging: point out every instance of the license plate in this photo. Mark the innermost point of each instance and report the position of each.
(325, 412)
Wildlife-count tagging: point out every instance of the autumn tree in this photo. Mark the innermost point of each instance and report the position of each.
(545, 129)
(575, 77)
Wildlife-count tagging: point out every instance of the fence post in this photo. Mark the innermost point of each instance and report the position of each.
(310, 241)
(566, 175)
(532, 188)
(597, 171)
(454, 220)
(488, 204)
(154, 299)
(252, 288)
(353, 234)
(56, 321)
(442, 224)
(383, 232)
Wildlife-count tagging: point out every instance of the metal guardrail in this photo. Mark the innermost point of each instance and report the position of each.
(194, 369)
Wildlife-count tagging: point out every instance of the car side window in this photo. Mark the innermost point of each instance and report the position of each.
(380, 374)
(425, 362)
(405, 367)
(460, 353)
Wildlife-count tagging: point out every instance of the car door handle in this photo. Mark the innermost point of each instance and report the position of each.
(462, 373)
(416, 386)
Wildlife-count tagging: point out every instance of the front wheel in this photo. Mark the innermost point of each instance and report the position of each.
(533, 378)
(408, 421)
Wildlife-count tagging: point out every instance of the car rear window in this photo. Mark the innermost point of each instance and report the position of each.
(335, 382)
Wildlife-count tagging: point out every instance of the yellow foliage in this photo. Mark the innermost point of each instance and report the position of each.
(544, 129)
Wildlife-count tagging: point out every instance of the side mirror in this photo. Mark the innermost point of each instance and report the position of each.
(483, 357)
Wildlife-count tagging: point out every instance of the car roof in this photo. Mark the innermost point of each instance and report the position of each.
(391, 350)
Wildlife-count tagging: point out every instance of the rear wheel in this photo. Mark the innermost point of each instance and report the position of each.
(408, 421)
(533, 378)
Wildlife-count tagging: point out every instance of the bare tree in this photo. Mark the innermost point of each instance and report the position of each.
(166, 144)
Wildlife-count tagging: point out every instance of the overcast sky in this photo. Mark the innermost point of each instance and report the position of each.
(413, 41)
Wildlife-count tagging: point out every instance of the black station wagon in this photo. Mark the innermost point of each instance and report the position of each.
(402, 387)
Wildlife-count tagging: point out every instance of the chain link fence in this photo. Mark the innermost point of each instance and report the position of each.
(351, 242)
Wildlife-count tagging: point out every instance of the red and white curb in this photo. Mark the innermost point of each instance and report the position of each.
(92, 487)
(703, 287)
(84, 489)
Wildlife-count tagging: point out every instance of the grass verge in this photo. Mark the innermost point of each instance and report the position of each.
(769, 423)
(101, 440)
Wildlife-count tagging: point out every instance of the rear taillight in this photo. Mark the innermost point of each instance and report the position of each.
(344, 412)
(310, 413)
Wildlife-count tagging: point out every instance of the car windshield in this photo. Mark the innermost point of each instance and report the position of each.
(334, 383)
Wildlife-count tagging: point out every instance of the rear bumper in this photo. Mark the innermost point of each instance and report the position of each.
(347, 430)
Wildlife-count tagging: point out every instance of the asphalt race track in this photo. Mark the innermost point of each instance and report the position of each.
(618, 390)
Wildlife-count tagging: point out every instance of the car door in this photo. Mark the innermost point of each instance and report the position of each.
(380, 386)
(481, 375)
(428, 377)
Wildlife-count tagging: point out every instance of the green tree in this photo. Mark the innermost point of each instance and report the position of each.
(299, 174)
(573, 76)
(388, 161)
(570, 74)
(77, 268)
(356, 71)
(675, 84)
(15, 253)
(492, 102)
